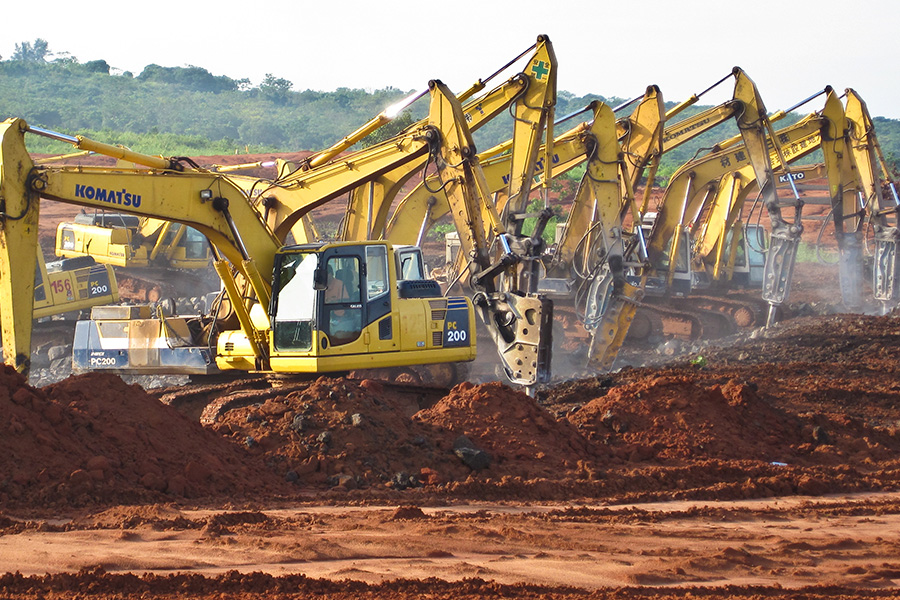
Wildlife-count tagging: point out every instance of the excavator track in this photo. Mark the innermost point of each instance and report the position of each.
(741, 305)
(746, 313)
(665, 318)
(208, 402)
(658, 319)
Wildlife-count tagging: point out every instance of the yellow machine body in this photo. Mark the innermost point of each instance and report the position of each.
(342, 306)
(126, 241)
(65, 287)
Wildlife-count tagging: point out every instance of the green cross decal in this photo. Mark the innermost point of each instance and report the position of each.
(540, 69)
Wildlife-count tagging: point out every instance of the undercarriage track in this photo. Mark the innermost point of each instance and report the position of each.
(666, 318)
(660, 318)
(207, 399)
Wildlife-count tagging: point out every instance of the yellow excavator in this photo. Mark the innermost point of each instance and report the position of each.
(159, 260)
(127, 241)
(378, 321)
(592, 248)
(71, 285)
(713, 222)
(878, 193)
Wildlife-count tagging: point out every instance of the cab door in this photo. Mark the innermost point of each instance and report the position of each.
(378, 300)
(357, 294)
(343, 305)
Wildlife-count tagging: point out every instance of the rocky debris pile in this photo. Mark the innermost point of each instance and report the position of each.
(859, 340)
(355, 434)
(92, 438)
(336, 431)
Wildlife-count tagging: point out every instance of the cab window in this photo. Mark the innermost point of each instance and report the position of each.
(342, 284)
(343, 309)
(195, 244)
(376, 271)
(411, 266)
(295, 308)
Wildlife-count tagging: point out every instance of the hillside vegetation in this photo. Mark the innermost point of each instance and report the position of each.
(190, 111)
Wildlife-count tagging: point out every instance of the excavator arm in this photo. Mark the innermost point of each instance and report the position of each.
(596, 213)
(640, 135)
(531, 93)
(693, 186)
(19, 209)
(204, 201)
(596, 220)
(518, 321)
(795, 142)
(879, 193)
(650, 132)
(824, 129)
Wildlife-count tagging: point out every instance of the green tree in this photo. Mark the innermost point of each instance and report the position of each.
(191, 77)
(32, 52)
(275, 89)
(97, 66)
(65, 58)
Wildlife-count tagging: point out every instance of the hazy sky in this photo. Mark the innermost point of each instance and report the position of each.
(790, 48)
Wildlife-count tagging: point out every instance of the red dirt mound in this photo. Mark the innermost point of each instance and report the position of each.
(358, 434)
(523, 439)
(675, 418)
(93, 438)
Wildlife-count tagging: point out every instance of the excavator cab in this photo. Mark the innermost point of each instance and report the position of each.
(71, 285)
(125, 240)
(682, 275)
(746, 246)
(354, 305)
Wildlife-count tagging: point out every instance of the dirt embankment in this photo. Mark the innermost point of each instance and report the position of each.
(92, 439)
(730, 429)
